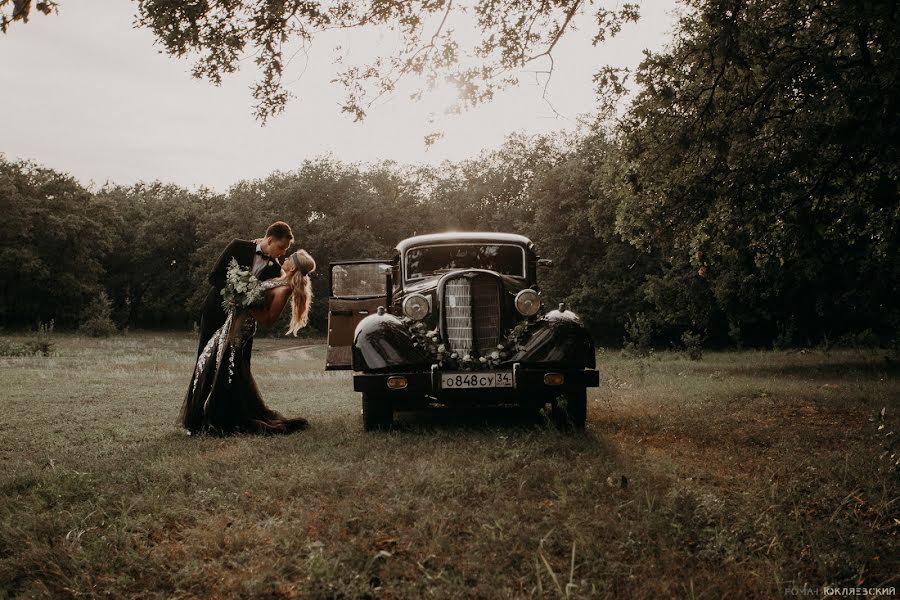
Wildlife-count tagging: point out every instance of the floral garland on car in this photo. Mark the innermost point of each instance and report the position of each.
(438, 353)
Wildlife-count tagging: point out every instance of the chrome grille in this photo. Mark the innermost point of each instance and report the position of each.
(487, 314)
(458, 307)
(472, 314)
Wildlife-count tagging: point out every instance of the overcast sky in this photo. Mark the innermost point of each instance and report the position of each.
(85, 93)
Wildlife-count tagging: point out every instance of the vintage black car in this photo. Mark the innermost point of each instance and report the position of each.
(457, 318)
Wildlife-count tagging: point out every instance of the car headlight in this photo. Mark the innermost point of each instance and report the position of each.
(416, 307)
(528, 302)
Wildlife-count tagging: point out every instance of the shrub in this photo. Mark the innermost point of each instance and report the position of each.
(638, 334)
(97, 327)
(735, 334)
(693, 344)
(97, 321)
(862, 339)
(41, 345)
(784, 338)
(26, 348)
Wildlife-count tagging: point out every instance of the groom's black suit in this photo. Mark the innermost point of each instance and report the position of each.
(213, 315)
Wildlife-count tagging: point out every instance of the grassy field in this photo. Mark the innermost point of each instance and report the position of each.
(742, 475)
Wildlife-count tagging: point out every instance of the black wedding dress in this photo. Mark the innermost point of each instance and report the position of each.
(222, 397)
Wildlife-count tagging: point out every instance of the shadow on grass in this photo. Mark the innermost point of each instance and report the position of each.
(507, 422)
(449, 418)
(874, 365)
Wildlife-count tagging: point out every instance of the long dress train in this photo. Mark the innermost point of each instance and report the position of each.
(222, 396)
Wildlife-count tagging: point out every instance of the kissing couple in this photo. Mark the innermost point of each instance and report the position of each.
(222, 396)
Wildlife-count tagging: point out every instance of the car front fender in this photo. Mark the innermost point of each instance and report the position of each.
(382, 341)
(558, 342)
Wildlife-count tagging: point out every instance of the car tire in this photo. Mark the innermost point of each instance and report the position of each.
(377, 412)
(571, 410)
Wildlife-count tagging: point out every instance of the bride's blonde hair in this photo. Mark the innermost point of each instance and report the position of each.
(302, 265)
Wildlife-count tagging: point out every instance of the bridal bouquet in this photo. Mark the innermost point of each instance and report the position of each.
(242, 290)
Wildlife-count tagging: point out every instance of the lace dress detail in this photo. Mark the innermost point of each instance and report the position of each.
(223, 396)
(217, 343)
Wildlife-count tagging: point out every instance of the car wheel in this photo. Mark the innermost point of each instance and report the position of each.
(570, 409)
(377, 412)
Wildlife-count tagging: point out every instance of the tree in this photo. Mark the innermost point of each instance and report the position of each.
(491, 191)
(762, 151)
(149, 276)
(21, 10)
(511, 35)
(52, 245)
(597, 274)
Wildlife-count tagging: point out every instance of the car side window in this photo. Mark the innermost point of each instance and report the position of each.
(358, 280)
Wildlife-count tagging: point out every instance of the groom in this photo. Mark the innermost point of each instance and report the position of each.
(261, 256)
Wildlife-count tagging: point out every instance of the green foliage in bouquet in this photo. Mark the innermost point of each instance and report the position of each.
(242, 290)
(439, 353)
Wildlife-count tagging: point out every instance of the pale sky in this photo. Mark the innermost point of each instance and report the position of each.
(85, 93)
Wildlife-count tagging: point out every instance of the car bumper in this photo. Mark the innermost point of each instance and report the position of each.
(530, 379)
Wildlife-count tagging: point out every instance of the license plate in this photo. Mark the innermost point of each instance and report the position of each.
(462, 381)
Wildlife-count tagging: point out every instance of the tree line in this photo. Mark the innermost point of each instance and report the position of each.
(747, 196)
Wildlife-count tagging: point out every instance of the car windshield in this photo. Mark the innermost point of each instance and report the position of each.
(425, 261)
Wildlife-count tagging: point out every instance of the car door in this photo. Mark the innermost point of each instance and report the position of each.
(356, 289)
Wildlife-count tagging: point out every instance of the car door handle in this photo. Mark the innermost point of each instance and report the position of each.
(363, 312)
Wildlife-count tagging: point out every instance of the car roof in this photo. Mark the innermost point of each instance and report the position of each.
(464, 236)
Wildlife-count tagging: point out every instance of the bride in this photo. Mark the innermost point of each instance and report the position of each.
(222, 396)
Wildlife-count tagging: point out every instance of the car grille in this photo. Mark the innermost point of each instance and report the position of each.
(472, 313)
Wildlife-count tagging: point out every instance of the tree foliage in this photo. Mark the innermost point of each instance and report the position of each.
(761, 152)
(51, 245)
(152, 229)
(748, 195)
(21, 11)
(510, 35)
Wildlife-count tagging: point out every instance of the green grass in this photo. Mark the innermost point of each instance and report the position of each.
(747, 473)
